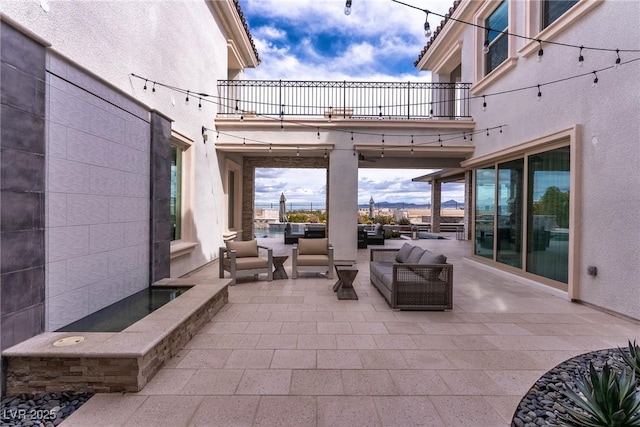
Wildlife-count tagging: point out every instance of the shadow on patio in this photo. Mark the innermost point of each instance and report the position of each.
(289, 353)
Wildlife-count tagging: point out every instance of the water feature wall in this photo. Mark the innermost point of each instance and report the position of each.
(97, 194)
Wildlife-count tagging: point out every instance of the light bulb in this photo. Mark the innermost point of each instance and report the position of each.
(485, 49)
(427, 29)
(347, 8)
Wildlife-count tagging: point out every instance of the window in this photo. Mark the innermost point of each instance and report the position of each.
(176, 193)
(548, 219)
(553, 9)
(231, 180)
(504, 227)
(497, 23)
(181, 198)
(232, 189)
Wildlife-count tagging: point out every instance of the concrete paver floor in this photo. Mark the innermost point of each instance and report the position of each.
(288, 353)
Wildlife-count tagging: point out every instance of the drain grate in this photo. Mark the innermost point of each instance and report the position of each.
(63, 342)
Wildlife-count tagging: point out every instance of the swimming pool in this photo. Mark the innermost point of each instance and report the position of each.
(124, 313)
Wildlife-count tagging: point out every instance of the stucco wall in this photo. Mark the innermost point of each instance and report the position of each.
(179, 43)
(608, 204)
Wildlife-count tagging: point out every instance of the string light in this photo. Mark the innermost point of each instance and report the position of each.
(540, 51)
(354, 151)
(412, 145)
(595, 80)
(618, 60)
(145, 85)
(382, 151)
(352, 136)
(237, 108)
(319, 133)
(380, 111)
(330, 113)
(500, 129)
(269, 147)
(297, 151)
(427, 27)
(464, 135)
(153, 89)
(447, 17)
(485, 47)
(581, 58)
(539, 97)
(484, 103)
(440, 141)
(347, 8)
(200, 103)
(325, 153)
(187, 98)
(487, 131)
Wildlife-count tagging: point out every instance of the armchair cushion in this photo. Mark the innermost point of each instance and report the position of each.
(313, 246)
(249, 263)
(244, 249)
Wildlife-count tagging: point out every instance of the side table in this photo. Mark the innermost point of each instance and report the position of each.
(344, 285)
(278, 263)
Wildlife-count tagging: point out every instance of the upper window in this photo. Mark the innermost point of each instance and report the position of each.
(553, 9)
(496, 26)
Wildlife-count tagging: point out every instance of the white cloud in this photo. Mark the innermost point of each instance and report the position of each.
(269, 32)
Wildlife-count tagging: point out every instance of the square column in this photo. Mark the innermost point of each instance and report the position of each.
(342, 190)
(436, 200)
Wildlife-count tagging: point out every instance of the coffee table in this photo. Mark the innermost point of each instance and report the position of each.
(278, 263)
(344, 285)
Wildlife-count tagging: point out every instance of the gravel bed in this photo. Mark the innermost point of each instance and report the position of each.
(41, 410)
(541, 405)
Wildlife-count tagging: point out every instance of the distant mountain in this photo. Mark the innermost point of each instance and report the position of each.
(449, 204)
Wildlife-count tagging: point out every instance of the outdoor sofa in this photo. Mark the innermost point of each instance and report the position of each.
(411, 278)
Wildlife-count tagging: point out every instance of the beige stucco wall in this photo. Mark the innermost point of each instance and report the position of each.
(179, 43)
(607, 221)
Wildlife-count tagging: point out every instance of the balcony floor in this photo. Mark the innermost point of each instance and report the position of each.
(289, 353)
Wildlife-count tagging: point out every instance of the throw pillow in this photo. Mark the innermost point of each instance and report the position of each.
(429, 257)
(415, 255)
(244, 249)
(404, 252)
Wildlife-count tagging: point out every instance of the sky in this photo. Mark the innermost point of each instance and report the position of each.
(315, 40)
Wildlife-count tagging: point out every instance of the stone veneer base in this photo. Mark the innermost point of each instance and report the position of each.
(107, 362)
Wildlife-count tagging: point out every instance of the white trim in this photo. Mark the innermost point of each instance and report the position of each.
(556, 28)
(180, 248)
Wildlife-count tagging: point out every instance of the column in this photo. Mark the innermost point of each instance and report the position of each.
(343, 205)
(160, 230)
(436, 195)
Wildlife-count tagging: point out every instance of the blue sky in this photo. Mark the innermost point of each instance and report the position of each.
(315, 40)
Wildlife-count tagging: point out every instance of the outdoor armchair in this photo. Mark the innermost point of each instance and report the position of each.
(243, 259)
(314, 255)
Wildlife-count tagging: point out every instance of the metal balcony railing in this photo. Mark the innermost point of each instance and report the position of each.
(335, 99)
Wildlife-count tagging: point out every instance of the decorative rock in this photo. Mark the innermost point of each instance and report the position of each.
(543, 403)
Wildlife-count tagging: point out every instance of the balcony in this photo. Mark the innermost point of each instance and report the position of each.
(343, 100)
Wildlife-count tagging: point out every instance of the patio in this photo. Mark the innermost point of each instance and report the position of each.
(289, 353)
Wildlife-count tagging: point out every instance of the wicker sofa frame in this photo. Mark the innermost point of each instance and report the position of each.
(413, 286)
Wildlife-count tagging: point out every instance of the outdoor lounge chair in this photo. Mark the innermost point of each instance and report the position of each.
(375, 235)
(243, 258)
(312, 255)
